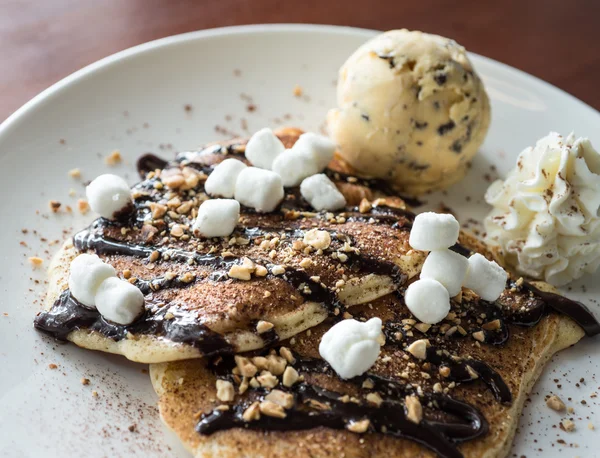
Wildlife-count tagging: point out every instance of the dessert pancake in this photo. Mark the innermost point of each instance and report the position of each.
(453, 389)
(200, 296)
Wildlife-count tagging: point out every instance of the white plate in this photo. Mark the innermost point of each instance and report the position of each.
(134, 101)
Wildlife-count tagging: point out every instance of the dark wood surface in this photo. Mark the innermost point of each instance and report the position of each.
(42, 41)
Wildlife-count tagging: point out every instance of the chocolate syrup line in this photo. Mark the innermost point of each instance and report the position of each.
(67, 315)
(389, 418)
(577, 311)
(458, 368)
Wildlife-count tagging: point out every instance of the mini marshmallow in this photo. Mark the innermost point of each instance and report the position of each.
(263, 147)
(259, 189)
(119, 301)
(318, 146)
(351, 347)
(433, 231)
(486, 278)
(217, 218)
(447, 267)
(321, 193)
(293, 166)
(428, 300)
(108, 194)
(87, 272)
(221, 182)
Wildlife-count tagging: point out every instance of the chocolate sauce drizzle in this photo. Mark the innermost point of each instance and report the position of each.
(462, 422)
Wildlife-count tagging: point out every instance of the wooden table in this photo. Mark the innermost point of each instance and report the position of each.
(42, 41)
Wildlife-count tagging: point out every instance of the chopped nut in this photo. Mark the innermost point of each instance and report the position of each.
(277, 270)
(267, 380)
(422, 327)
(113, 158)
(157, 210)
(418, 349)
(276, 364)
(36, 262)
(414, 410)
(242, 271)
(271, 409)
(555, 403)
(290, 376)
(444, 371)
(319, 240)
(492, 325)
(358, 426)
(287, 354)
(85, 381)
(52, 366)
(246, 368)
(83, 206)
(374, 398)
(264, 326)
(368, 384)
(172, 180)
(261, 271)
(54, 206)
(472, 373)
(252, 413)
(187, 277)
(305, 263)
(154, 256)
(285, 400)
(260, 362)
(298, 91)
(184, 208)
(243, 385)
(479, 335)
(177, 230)
(364, 206)
(225, 391)
(568, 425)
(298, 245)
(75, 173)
(437, 387)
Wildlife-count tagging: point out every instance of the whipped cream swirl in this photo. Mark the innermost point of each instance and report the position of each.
(545, 215)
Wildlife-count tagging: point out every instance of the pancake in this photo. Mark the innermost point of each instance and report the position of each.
(480, 364)
(193, 306)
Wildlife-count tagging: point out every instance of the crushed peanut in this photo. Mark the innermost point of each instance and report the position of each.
(414, 410)
(252, 413)
(246, 368)
(36, 261)
(113, 158)
(418, 349)
(285, 400)
(290, 376)
(555, 403)
(225, 391)
(319, 240)
(270, 409)
(359, 427)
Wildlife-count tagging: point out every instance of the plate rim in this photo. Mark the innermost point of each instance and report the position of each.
(172, 40)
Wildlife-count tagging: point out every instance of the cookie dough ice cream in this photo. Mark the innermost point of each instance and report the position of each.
(411, 110)
(545, 215)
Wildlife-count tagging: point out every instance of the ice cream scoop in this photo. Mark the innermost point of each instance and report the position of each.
(411, 110)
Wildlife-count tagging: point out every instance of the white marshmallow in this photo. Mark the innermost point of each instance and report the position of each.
(108, 194)
(217, 218)
(352, 347)
(447, 267)
(428, 300)
(318, 146)
(434, 231)
(259, 189)
(263, 147)
(119, 301)
(87, 272)
(486, 278)
(321, 193)
(293, 166)
(221, 182)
